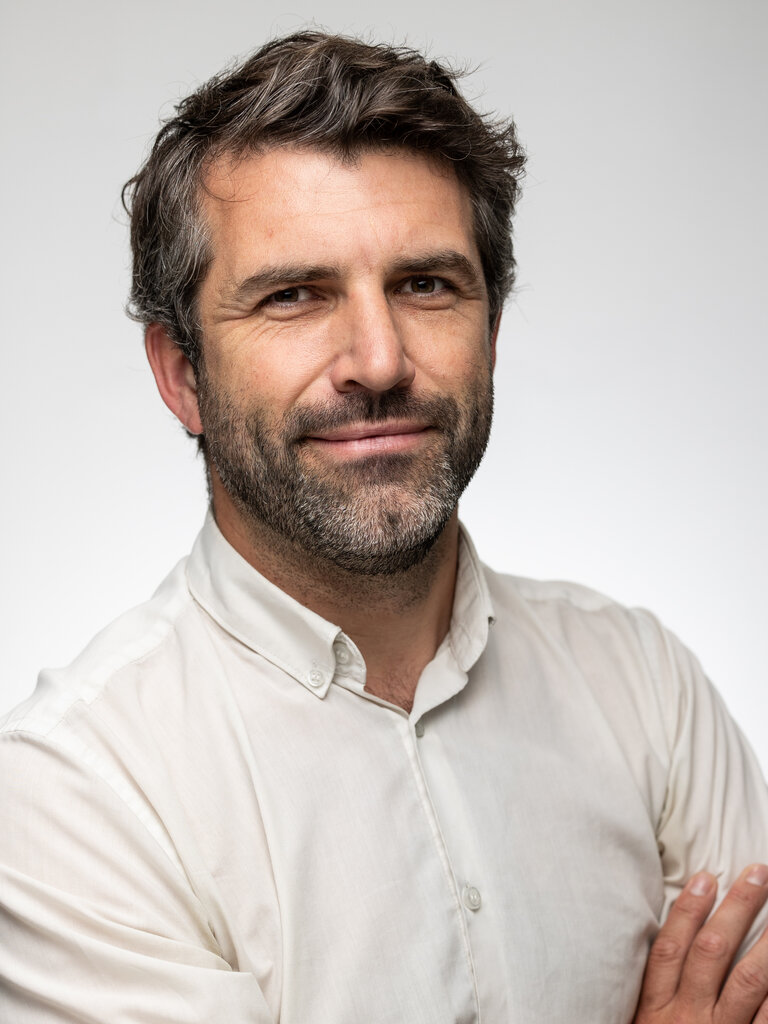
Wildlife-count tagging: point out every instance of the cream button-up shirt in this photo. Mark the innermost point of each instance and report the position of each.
(207, 820)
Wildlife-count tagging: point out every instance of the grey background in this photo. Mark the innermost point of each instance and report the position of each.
(628, 450)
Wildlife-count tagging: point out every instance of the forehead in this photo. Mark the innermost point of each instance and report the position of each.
(290, 203)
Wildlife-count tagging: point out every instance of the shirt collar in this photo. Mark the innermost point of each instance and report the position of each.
(296, 639)
(472, 606)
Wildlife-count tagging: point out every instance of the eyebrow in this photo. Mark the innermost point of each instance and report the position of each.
(448, 260)
(279, 274)
(272, 277)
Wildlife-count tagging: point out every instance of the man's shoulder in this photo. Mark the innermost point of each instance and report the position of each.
(562, 592)
(559, 597)
(598, 631)
(116, 652)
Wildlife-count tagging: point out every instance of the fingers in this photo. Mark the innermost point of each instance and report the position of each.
(746, 989)
(691, 957)
(675, 938)
(713, 949)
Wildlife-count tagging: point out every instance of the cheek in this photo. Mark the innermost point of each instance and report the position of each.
(450, 362)
(274, 374)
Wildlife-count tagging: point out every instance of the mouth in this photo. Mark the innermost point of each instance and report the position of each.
(391, 436)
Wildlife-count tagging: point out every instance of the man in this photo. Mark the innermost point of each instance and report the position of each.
(337, 771)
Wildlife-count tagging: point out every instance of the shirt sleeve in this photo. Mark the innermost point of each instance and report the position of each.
(715, 815)
(98, 925)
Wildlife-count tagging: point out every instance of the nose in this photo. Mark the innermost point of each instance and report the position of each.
(371, 352)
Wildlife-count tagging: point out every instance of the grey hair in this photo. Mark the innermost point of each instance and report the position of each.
(318, 91)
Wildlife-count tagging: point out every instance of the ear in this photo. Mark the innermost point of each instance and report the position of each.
(494, 336)
(174, 377)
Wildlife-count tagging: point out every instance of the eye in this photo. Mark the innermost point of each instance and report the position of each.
(423, 284)
(288, 296)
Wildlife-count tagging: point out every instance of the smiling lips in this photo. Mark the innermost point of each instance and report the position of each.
(372, 438)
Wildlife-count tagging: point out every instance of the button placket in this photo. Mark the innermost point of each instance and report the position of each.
(460, 900)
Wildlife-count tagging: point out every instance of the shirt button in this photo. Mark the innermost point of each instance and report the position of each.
(316, 678)
(342, 654)
(471, 897)
(419, 728)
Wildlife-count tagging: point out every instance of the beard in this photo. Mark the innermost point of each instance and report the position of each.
(373, 515)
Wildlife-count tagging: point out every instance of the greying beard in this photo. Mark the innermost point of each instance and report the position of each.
(346, 513)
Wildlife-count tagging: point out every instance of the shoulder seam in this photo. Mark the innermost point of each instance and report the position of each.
(90, 763)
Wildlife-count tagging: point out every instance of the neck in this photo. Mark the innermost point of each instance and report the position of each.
(397, 621)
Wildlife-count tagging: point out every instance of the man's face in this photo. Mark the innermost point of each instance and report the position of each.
(345, 388)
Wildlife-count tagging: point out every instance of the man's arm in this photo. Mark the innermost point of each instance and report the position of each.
(97, 923)
(715, 804)
(687, 979)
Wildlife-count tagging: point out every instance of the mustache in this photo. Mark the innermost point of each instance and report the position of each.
(362, 407)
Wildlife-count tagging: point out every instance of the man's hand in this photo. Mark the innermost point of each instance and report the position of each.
(686, 979)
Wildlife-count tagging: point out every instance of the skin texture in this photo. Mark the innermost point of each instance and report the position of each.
(346, 344)
(687, 979)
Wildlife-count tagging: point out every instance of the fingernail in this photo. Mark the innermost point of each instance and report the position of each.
(757, 875)
(700, 884)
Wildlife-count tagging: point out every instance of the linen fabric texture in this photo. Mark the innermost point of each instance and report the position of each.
(207, 819)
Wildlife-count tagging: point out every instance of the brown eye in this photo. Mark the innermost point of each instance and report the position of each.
(423, 285)
(285, 295)
(436, 289)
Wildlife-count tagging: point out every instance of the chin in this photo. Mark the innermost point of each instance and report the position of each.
(384, 545)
